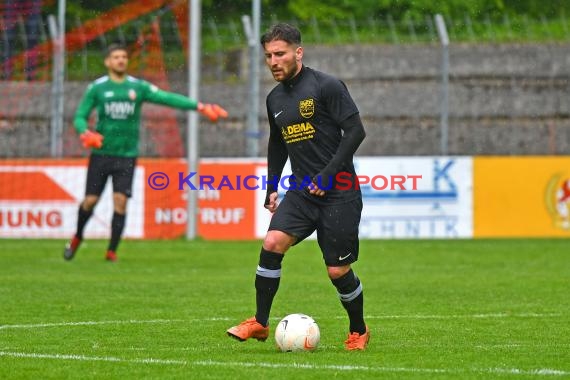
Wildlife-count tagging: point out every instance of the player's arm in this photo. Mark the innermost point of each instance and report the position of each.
(155, 95)
(276, 160)
(88, 138)
(81, 118)
(352, 137)
(343, 109)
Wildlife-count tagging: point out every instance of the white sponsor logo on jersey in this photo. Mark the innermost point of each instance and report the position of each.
(119, 110)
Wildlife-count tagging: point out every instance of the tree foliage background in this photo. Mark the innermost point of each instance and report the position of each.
(359, 9)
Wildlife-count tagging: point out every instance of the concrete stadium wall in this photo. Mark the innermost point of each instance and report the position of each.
(504, 99)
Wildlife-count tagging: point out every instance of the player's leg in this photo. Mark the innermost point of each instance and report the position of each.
(85, 212)
(268, 273)
(351, 297)
(338, 239)
(117, 224)
(267, 278)
(97, 173)
(288, 226)
(123, 173)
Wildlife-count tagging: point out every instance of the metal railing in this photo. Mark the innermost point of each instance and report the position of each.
(220, 38)
(500, 102)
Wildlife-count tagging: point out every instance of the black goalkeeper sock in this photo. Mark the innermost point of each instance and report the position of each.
(82, 219)
(267, 280)
(117, 226)
(350, 294)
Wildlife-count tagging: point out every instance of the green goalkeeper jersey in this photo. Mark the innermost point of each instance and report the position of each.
(119, 111)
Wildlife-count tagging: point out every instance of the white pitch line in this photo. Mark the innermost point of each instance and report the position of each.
(348, 368)
(463, 316)
(217, 319)
(90, 358)
(87, 323)
(512, 371)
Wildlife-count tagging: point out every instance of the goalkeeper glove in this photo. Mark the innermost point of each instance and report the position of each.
(91, 139)
(212, 111)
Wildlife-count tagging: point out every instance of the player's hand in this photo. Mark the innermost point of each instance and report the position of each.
(271, 202)
(313, 189)
(212, 111)
(91, 139)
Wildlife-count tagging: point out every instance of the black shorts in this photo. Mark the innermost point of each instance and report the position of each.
(336, 225)
(122, 169)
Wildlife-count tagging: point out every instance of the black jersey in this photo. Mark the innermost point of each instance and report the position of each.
(305, 116)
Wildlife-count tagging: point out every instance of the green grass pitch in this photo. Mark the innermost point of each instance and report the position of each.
(474, 309)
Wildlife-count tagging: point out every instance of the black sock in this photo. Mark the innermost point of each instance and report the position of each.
(266, 283)
(82, 219)
(350, 294)
(117, 226)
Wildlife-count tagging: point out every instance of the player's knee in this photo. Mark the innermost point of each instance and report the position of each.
(337, 272)
(120, 209)
(277, 241)
(89, 203)
(273, 244)
(120, 203)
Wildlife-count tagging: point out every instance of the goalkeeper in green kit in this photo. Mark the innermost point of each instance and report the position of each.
(118, 99)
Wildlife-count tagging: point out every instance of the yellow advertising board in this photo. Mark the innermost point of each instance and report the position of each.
(521, 196)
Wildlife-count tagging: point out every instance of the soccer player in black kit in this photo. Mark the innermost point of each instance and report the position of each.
(314, 122)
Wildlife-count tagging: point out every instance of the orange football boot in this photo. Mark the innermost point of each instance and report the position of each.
(111, 256)
(71, 248)
(249, 328)
(356, 341)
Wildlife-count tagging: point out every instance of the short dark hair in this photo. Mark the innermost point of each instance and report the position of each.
(283, 32)
(114, 47)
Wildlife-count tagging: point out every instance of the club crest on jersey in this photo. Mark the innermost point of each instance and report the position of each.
(307, 108)
(132, 94)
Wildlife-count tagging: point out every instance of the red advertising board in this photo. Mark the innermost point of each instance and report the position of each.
(39, 198)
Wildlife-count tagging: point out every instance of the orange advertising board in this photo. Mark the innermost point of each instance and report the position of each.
(521, 196)
(226, 208)
(39, 198)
